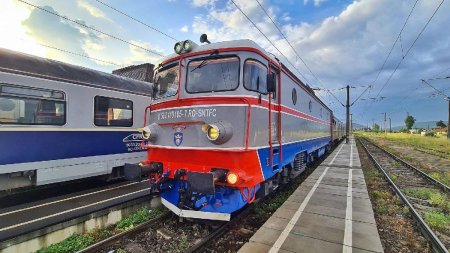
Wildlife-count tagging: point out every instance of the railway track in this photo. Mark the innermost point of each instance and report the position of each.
(424, 196)
(162, 230)
(148, 238)
(33, 216)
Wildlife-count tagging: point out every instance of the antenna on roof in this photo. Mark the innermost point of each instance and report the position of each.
(204, 38)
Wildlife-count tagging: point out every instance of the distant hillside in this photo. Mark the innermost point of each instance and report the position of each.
(425, 125)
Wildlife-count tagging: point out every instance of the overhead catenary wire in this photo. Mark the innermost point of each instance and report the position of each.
(92, 28)
(395, 42)
(267, 38)
(81, 55)
(137, 20)
(368, 87)
(409, 49)
(438, 91)
(289, 43)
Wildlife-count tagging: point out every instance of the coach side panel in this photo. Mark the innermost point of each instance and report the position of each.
(77, 148)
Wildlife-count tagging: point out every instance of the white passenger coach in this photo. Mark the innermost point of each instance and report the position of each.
(61, 122)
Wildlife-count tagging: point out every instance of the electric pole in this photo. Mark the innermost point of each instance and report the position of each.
(448, 100)
(385, 125)
(348, 113)
(390, 125)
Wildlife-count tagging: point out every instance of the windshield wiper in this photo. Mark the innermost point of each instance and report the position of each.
(203, 63)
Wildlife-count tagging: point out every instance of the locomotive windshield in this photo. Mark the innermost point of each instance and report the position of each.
(166, 81)
(212, 74)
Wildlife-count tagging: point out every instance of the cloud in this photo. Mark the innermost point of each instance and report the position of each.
(184, 29)
(50, 29)
(92, 10)
(348, 48)
(200, 3)
(139, 55)
(317, 3)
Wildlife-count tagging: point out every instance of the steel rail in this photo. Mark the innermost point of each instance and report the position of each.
(96, 247)
(436, 244)
(437, 183)
(219, 231)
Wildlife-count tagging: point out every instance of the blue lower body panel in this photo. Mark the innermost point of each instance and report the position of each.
(225, 200)
(289, 151)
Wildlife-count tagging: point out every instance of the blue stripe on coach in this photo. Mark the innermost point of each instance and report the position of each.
(35, 146)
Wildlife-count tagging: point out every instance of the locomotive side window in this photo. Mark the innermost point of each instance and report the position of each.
(113, 112)
(212, 74)
(166, 81)
(294, 96)
(31, 106)
(255, 76)
(275, 70)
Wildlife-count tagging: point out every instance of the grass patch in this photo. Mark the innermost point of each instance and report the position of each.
(72, 244)
(421, 193)
(77, 242)
(138, 217)
(438, 146)
(433, 196)
(437, 220)
(183, 244)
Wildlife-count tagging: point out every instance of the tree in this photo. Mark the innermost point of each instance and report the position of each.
(441, 124)
(409, 122)
(376, 127)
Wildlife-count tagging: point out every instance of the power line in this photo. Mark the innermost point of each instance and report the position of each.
(395, 42)
(78, 54)
(438, 91)
(282, 34)
(137, 20)
(265, 36)
(368, 87)
(92, 28)
(409, 49)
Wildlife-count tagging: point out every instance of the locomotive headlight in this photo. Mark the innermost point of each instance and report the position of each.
(178, 48)
(219, 132)
(186, 45)
(146, 132)
(149, 132)
(232, 178)
(213, 132)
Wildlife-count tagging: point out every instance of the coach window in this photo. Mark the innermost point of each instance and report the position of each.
(113, 112)
(255, 76)
(22, 105)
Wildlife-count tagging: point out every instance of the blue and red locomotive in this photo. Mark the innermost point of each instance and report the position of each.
(228, 124)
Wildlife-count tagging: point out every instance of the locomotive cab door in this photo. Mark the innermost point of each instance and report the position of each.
(274, 118)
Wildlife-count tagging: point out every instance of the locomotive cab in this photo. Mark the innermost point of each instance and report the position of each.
(213, 131)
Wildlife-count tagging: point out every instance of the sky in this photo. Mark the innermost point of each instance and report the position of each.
(340, 43)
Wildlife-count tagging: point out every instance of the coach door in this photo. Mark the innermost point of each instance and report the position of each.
(274, 120)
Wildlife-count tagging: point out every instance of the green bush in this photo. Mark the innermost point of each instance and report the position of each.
(431, 134)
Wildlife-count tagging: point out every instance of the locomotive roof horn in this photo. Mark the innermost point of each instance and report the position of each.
(204, 38)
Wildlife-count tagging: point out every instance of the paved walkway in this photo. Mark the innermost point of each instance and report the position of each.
(329, 212)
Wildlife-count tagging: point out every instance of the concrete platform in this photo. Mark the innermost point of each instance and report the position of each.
(329, 212)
